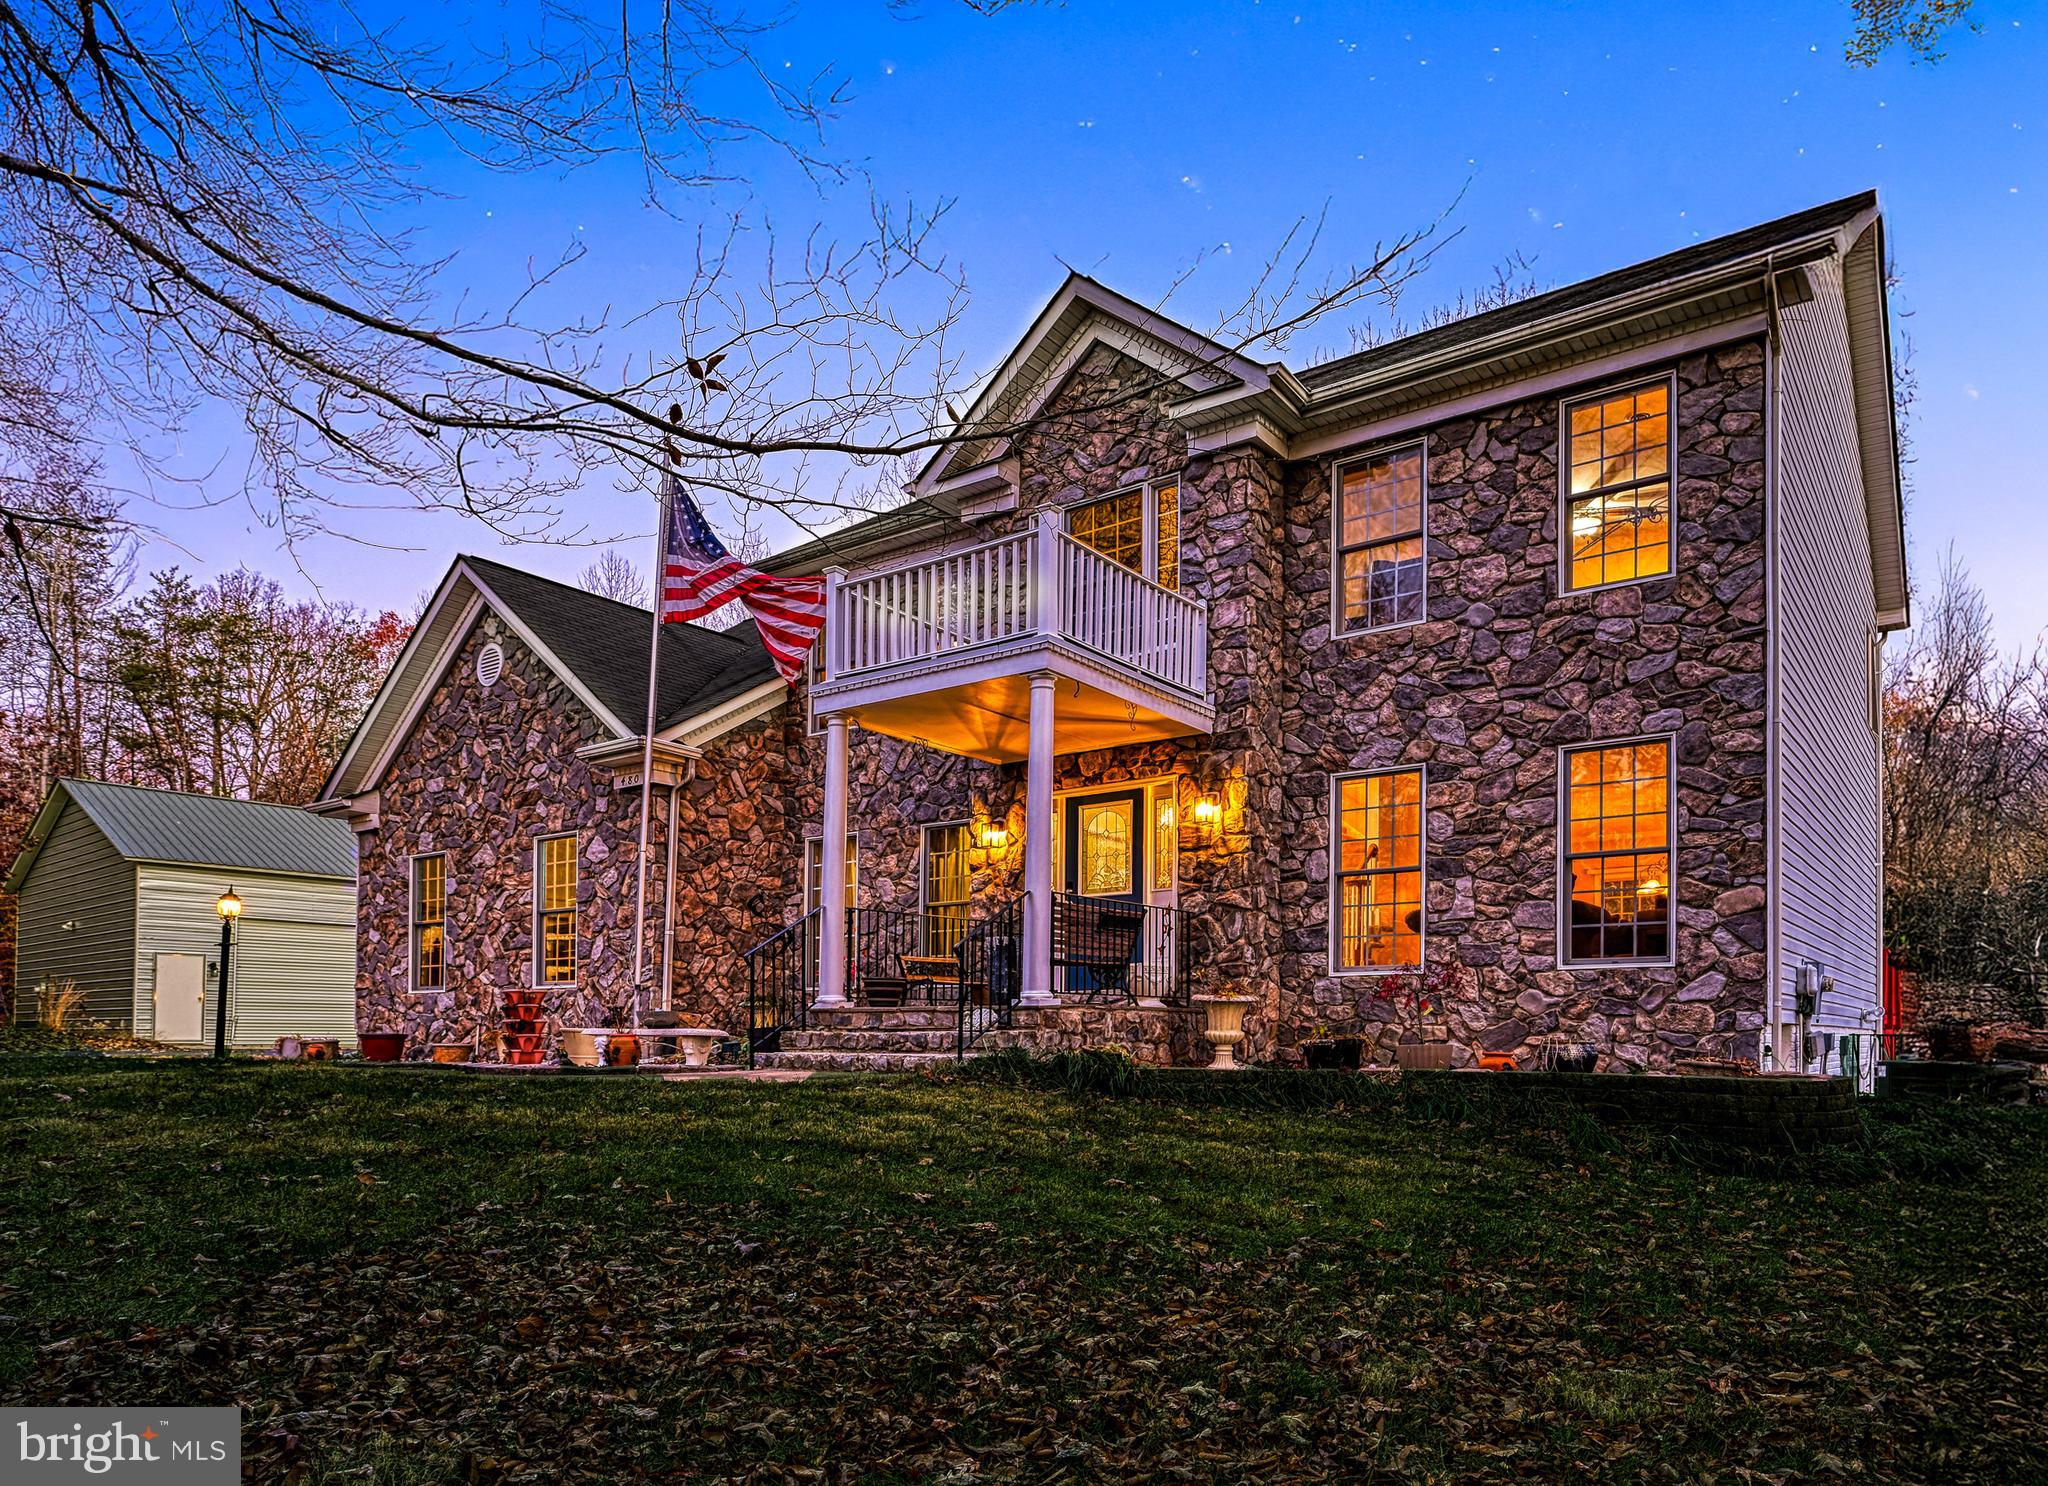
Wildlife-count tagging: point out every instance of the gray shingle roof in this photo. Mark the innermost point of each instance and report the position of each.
(160, 825)
(1695, 259)
(603, 643)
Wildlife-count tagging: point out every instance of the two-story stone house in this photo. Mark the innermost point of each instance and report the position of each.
(1543, 644)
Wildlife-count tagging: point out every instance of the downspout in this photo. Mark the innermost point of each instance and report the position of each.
(668, 893)
(1774, 829)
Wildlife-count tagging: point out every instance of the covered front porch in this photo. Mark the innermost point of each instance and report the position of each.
(1023, 649)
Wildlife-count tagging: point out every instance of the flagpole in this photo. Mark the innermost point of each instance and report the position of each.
(660, 575)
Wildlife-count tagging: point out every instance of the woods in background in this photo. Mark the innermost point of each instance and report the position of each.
(224, 688)
(1966, 801)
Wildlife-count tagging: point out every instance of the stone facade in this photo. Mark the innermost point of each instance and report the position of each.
(485, 772)
(1504, 672)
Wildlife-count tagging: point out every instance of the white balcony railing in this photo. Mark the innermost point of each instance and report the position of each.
(1036, 584)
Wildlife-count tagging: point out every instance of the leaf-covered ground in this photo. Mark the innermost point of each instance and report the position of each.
(405, 1276)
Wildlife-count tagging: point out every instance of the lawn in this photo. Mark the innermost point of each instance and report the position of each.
(410, 1276)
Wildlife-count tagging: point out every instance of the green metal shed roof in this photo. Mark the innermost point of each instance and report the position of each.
(158, 825)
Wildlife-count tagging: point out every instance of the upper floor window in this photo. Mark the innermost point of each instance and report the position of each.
(1617, 487)
(1378, 896)
(429, 922)
(1380, 556)
(554, 930)
(1617, 858)
(1137, 528)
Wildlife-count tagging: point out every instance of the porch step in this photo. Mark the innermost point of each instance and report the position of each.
(864, 1040)
(831, 1061)
(886, 1019)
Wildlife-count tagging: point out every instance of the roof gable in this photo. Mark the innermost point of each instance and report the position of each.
(1082, 315)
(159, 825)
(597, 646)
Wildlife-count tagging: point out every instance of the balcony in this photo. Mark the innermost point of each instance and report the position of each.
(942, 651)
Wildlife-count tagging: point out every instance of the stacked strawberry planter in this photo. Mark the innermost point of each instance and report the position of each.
(525, 1039)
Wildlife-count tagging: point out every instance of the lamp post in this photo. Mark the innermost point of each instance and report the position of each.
(229, 907)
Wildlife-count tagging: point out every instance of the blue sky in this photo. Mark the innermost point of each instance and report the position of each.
(1128, 140)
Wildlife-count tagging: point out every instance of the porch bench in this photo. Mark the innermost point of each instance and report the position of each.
(934, 971)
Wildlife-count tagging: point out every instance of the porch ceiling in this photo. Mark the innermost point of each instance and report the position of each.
(989, 718)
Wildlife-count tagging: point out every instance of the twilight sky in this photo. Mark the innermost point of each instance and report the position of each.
(1127, 139)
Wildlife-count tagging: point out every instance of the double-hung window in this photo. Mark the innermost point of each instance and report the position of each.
(1381, 549)
(554, 926)
(429, 922)
(947, 876)
(1137, 528)
(1617, 486)
(1377, 898)
(1617, 857)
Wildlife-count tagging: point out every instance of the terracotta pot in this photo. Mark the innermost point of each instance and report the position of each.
(321, 1049)
(1497, 1062)
(520, 1058)
(622, 1051)
(450, 1052)
(381, 1047)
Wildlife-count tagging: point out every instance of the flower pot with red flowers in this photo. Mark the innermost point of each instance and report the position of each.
(1417, 999)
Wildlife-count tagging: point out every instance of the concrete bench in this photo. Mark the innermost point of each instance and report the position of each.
(695, 1044)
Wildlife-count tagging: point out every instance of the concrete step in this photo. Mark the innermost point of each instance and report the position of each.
(886, 1018)
(836, 1062)
(858, 1040)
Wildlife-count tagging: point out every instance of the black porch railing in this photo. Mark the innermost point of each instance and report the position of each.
(991, 959)
(782, 980)
(1107, 950)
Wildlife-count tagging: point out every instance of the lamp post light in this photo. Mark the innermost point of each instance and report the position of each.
(229, 907)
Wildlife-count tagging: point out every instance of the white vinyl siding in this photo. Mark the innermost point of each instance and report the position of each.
(294, 968)
(1829, 882)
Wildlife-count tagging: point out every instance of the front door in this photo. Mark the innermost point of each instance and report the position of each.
(1105, 859)
(180, 997)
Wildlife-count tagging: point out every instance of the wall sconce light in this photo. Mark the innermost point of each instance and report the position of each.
(1208, 812)
(994, 836)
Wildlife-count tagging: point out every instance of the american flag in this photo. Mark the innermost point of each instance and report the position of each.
(698, 575)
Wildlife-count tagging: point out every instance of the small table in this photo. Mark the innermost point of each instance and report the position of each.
(695, 1044)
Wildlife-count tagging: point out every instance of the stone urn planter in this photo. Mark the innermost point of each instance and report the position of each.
(1223, 1025)
(580, 1045)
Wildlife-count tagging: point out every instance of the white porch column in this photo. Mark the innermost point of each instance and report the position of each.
(1038, 987)
(832, 891)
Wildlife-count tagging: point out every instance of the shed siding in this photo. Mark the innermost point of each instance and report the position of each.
(1831, 855)
(295, 949)
(78, 878)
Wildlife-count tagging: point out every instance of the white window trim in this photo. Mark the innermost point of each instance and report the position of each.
(1148, 522)
(1337, 783)
(817, 844)
(1562, 875)
(1338, 630)
(924, 862)
(1669, 377)
(412, 925)
(537, 893)
(814, 675)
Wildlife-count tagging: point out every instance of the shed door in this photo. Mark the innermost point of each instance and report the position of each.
(180, 997)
